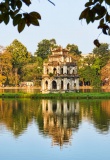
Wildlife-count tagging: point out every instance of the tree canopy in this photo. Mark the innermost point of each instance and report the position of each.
(44, 48)
(97, 10)
(73, 49)
(11, 9)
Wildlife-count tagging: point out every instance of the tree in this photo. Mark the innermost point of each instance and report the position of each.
(5, 66)
(20, 57)
(89, 71)
(73, 49)
(32, 71)
(103, 53)
(44, 48)
(97, 10)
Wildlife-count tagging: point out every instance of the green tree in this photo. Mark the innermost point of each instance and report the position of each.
(103, 53)
(73, 49)
(20, 57)
(89, 71)
(33, 71)
(44, 48)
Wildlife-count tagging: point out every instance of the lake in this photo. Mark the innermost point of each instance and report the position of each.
(54, 129)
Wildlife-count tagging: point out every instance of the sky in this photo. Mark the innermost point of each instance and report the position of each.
(60, 22)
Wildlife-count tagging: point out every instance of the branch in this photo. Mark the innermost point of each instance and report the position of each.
(51, 2)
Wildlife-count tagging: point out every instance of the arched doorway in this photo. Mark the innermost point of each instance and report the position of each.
(54, 85)
(68, 86)
(61, 84)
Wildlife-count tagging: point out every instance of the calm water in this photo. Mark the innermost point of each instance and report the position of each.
(54, 130)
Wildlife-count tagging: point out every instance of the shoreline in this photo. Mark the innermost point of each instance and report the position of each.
(34, 87)
(72, 95)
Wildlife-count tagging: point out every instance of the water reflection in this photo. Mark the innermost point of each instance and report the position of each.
(60, 118)
(17, 114)
(96, 112)
(55, 119)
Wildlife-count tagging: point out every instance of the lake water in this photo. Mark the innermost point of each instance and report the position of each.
(54, 129)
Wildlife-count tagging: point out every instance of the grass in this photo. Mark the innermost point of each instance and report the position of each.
(89, 95)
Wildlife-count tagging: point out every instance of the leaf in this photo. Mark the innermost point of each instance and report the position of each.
(95, 1)
(1, 18)
(35, 22)
(16, 19)
(88, 4)
(107, 1)
(84, 13)
(105, 28)
(102, 21)
(35, 15)
(107, 17)
(96, 42)
(91, 15)
(27, 2)
(109, 31)
(21, 25)
(100, 1)
(11, 13)
(19, 4)
(6, 18)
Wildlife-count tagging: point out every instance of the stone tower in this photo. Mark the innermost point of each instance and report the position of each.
(60, 73)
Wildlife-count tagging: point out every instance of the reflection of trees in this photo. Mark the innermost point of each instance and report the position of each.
(17, 114)
(55, 118)
(60, 118)
(98, 112)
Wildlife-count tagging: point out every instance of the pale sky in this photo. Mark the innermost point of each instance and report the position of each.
(60, 22)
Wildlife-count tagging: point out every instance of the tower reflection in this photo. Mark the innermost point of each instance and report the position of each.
(60, 119)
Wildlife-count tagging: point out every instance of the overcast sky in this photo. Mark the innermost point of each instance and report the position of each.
(60, 22)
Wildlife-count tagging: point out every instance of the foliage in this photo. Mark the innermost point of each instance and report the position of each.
(89, 71)
(32, 71)
(51, 74)
(97, 10)
(103, 53)
(11, 9)
(73, 49)
(20, 57)
(5, 66)
(44, 48)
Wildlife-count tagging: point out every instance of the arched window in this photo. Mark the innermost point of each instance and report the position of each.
(46, 85)
(61, 70)
(54, 71)
(54, 85)
(47, 71)
(67, 71)
(73, 72)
